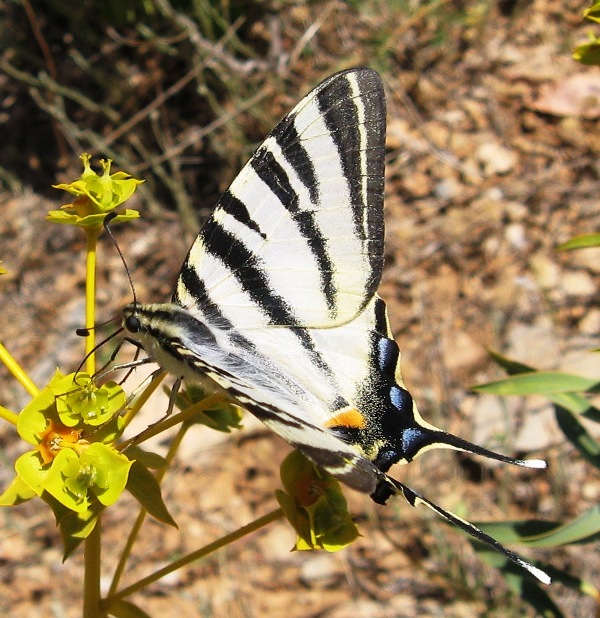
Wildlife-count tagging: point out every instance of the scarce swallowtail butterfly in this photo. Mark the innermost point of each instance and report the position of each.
(277, 300)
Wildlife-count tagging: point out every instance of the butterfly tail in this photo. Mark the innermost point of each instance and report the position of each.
(388, 487)
(446, 440)
(409, 435)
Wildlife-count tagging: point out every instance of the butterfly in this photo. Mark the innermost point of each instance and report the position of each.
(276, 302)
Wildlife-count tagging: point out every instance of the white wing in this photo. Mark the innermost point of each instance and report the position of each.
(297, 240)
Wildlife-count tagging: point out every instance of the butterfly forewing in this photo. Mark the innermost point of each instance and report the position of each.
(297, 240)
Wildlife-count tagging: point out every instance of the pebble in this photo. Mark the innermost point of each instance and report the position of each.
(578, 283)
(495, 159)
(321, 570)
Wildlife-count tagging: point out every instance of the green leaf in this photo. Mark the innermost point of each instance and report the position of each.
(16, 493)
(315, 506)
(145, 489)
(148, 459)
(62, 482)
(583, 529)
(31, 471)
(578, 435)
(573, 402)
(74, 527)
(512, 367)
(577, 404)
(589, 55)
(514, 531)
(126, 609)
(223, 416)
(539, 383)
(593, 12)
(298, 518)
(95, 220)
(78, 400)
(99, 470)
(110, 431)
(585, 240)
(110, 469)
(35, 416)
(96, 194)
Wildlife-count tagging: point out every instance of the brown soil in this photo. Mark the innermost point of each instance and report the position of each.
(488, 170)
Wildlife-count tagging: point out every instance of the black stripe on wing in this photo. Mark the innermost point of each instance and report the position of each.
(253, 280)
(239, 211)
(352, 120)
(248, 270)
(211, 310)
(272, 173)
(288, 139)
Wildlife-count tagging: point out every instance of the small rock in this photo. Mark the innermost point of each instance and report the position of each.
(539, 430)
(586, 258)
(461, 351)
(515, 235)
(417, 184)
(590, 491)
(578, 283)
(516, 211)
(534, 344)
(495, 159)
(576, 95)
(447, 189)
(322, 570)
(590, 323)
(360, 608)
(547, 272)
(494, 422)
(494, 193)
(581, 362)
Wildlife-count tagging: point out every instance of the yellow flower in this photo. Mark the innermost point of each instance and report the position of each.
(96, 196)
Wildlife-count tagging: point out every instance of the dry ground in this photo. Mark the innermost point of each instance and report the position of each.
(490, 165)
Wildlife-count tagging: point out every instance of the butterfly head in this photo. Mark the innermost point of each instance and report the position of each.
(131, 322)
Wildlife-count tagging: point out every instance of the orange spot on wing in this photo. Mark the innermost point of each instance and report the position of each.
(348, 418)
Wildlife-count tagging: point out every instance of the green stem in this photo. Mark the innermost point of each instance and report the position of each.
(140, 400)
(92, 234)
(142, 514)
(170, 421)
(196, 555)
(9, 416)
(91, 581)
(93, 543)
(18, 372)
(133, 534)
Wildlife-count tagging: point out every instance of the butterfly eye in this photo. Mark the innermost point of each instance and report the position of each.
(133, 324)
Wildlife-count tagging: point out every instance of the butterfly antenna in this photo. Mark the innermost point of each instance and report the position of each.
(84, 332)
(109, 217)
